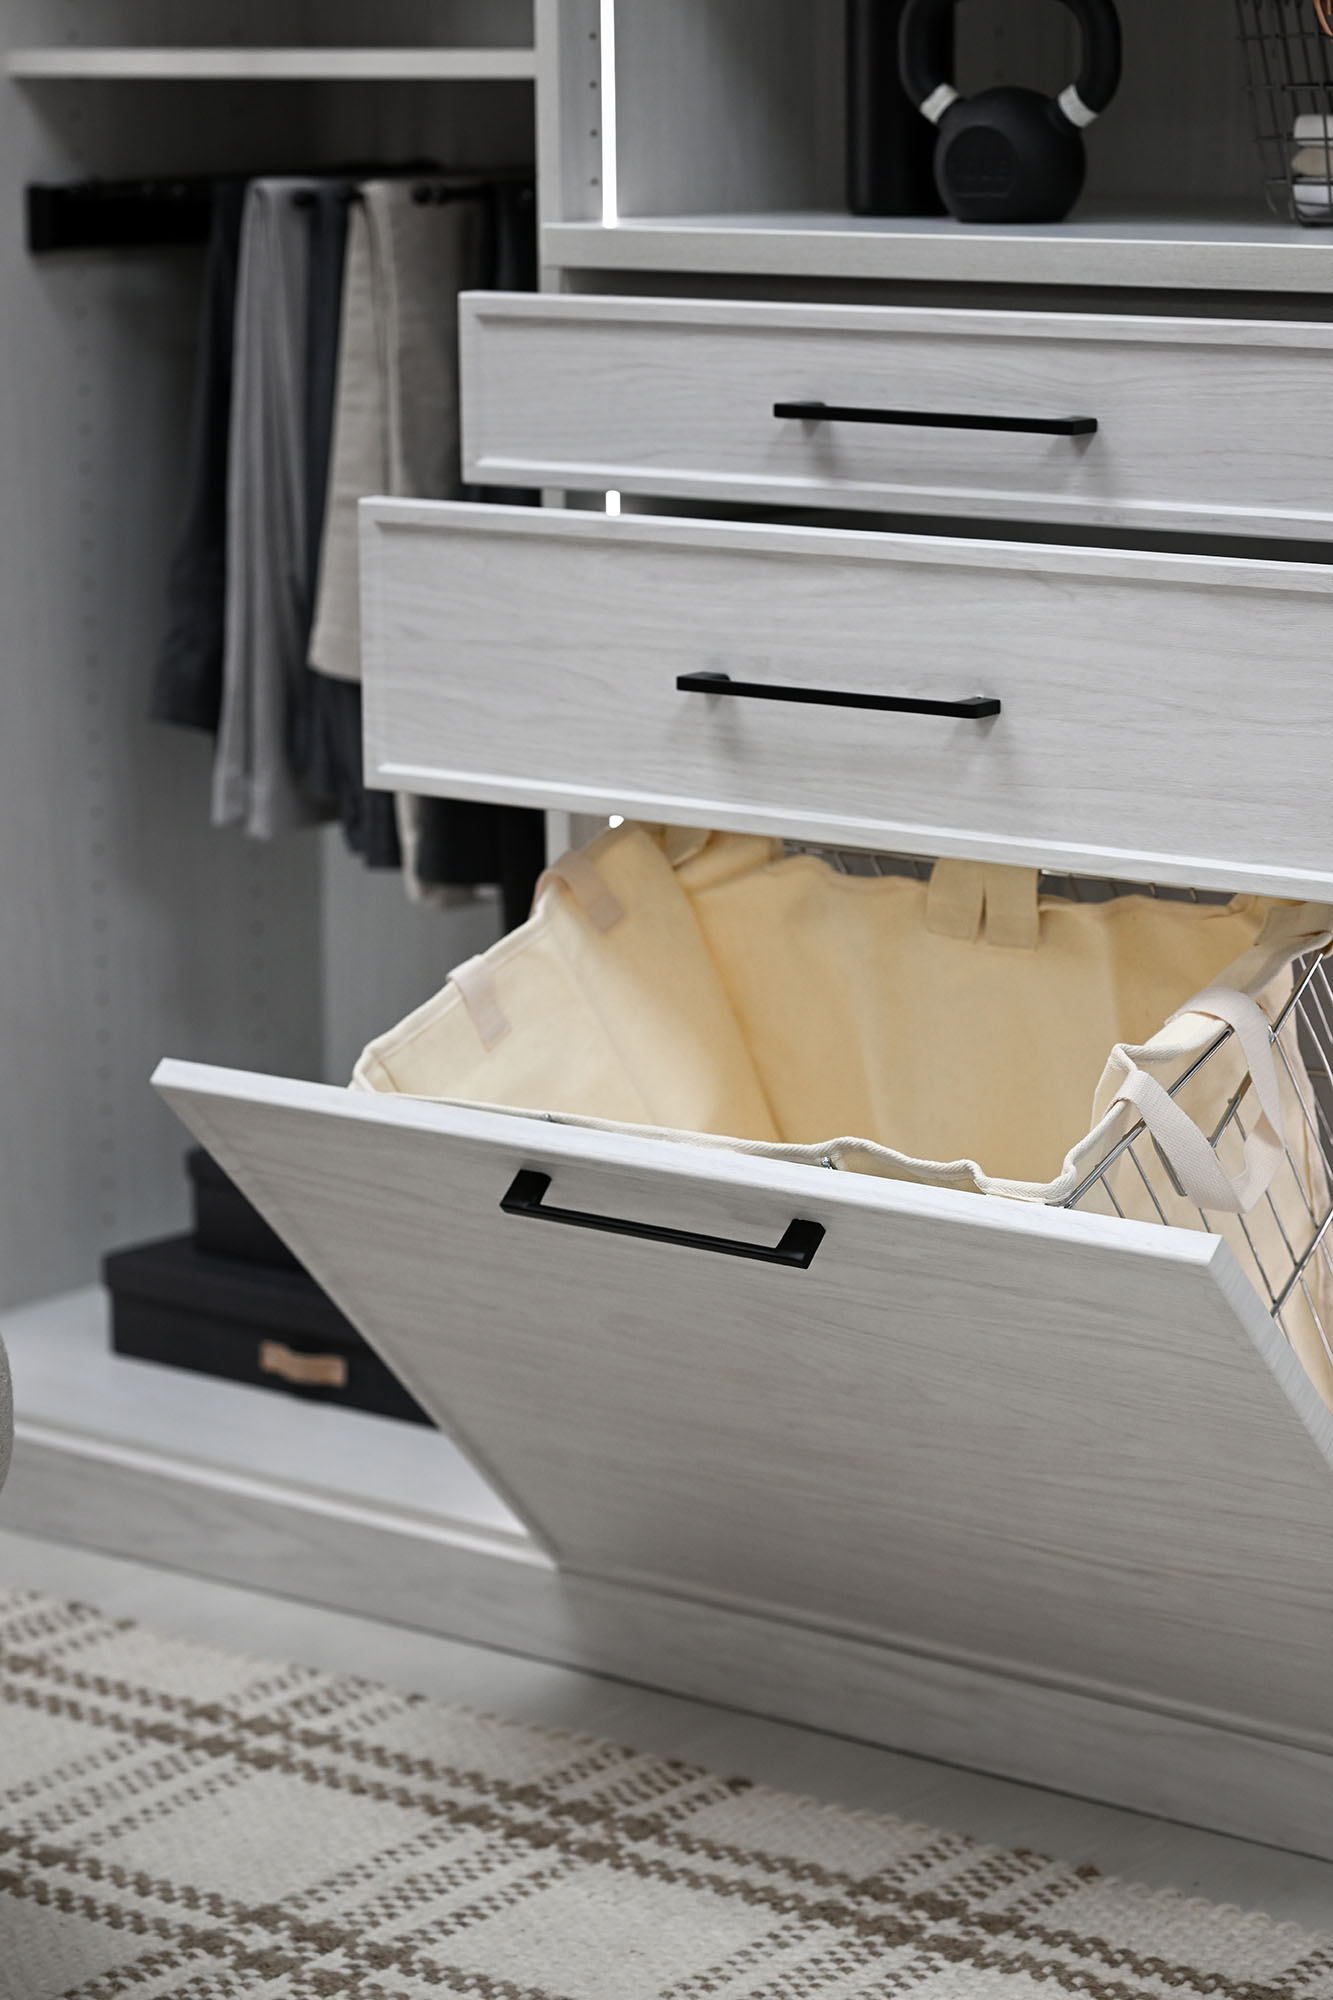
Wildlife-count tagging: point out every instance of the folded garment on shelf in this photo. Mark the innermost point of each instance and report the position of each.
(1314, 162)
(1313, 197)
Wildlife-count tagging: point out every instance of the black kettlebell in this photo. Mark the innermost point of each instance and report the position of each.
(1009, 155)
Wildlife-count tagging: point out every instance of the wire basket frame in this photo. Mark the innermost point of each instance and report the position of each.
(1299, 1209)
(1301, 1215)
(1289, 77)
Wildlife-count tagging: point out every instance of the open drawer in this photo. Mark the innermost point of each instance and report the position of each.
(1107, 418)
(1072, 1448)
(1162, 718)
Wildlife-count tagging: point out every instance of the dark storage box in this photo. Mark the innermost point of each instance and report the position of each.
(247, 1322)
(225, 1224)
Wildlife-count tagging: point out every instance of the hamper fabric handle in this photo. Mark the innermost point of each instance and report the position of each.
(962, 893)
(1202, 1177)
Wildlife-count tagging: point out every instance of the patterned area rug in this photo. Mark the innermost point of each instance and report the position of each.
(178, 1823)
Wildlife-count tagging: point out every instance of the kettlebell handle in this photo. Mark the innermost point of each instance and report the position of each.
(922, 56)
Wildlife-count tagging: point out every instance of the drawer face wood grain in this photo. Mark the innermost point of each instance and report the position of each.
(980, 1428)
(1224, 426)
(1163, 718)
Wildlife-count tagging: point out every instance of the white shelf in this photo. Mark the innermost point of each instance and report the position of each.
(1208, 251)
(418, 65)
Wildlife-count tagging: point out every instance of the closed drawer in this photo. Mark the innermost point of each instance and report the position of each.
(983, 1430)
(1161, 718)
(1201, 424)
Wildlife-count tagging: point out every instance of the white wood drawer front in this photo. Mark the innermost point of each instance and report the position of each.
(1201, 425)
(1162, 718)
(1074, 1445)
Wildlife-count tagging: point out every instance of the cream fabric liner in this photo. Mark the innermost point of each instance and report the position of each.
(709, 987)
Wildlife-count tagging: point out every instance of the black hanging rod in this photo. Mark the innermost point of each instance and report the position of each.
(426, 194)
(106, 215)
(159, 211)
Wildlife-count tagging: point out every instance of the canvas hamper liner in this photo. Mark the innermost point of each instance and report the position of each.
(964, 1032)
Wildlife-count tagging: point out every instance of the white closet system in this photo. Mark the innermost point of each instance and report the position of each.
(1030, 1489)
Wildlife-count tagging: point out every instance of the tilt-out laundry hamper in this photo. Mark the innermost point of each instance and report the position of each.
(792, 1243)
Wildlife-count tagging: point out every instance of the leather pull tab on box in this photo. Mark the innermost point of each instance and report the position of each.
(956, 899)
(304, 1371)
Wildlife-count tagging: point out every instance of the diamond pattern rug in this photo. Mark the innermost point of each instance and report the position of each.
(178, 1823)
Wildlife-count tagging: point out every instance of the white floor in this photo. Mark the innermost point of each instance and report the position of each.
(1288, 1887)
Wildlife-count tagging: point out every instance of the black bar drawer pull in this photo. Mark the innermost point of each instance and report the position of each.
(526, 1196)
(973, 708)
(938, 420)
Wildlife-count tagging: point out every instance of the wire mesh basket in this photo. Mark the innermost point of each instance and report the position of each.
(1288, 47)
(1285, 1245)
(1280, 1243)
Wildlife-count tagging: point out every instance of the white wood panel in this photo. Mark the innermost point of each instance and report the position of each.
(1166, 246)
(728, 104)
(258, 65)
(1164, 717)
(569, 110)
(1072, 1445)
(1203, 424)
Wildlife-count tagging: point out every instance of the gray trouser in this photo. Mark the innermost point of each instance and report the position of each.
(268, 608)
(396, 414)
